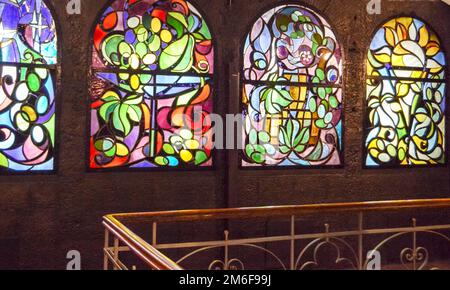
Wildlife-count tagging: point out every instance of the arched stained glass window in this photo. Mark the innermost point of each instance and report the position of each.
(292, 96)
(28, 58)
(405, 96)
(152, 86)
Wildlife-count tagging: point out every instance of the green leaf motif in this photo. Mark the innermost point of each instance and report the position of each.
(256, 153)
(178, 22)
(133, 100)
(124, 113)
(259, 148)
(264, 137)
(275, 100)
(107, 109)
(111, 46)
(178, 55)
(293, 138)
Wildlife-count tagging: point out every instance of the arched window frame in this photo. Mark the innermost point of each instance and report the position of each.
(54, 71)
(213, 96)
(243, 164)
(366, 122)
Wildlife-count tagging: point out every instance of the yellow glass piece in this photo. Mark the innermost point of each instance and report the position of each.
(111, 94)
(390, 38)
(186, 156)
(400, 50)
(30, 112)
(383, 58)
(433, 50)
(315, 131)
(440, 138)
(374, 152)
(423, 36)
(156, 25)
(135, 82)
(405, 21)
(166, 36)
(295, 94)
(245, 97)
(421, 117)
(192, 144)
(299, 95)
(402, 90)
(122, 150)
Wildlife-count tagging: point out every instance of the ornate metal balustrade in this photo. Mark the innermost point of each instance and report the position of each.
(359, 247)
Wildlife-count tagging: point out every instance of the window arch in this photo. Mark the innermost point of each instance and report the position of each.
(151, 86)
(28, 59)
(291, 86)
(405, 123)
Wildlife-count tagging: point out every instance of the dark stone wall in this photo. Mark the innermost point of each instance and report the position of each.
(42, 217)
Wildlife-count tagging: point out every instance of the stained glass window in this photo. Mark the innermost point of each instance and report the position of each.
(152, 86)
(291, 86)
(405, 96)
(28, 58)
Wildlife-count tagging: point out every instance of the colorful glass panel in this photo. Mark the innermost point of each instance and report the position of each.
(405, 96)
(152, 86)
(28, 55)
(292, 98)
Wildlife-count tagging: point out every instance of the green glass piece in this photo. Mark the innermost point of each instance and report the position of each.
(3, 161)
(33, 82)
(161, 161)
(168, 149)
(200, 157)
(155, 43)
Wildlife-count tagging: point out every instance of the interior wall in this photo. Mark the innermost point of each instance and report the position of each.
(42, 217)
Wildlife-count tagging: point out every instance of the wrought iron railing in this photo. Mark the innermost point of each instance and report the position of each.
(356, 246)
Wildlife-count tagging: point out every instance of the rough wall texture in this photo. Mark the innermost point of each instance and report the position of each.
(43, 217)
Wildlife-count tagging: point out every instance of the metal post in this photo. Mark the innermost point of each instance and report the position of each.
(105, 249)
(292, 242)
(226, 260)
(116, 252)
(414, 257)
(154, 234)
(360, 240)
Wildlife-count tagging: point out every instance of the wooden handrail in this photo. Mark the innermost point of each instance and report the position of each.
(278, 211)
(151, 256)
